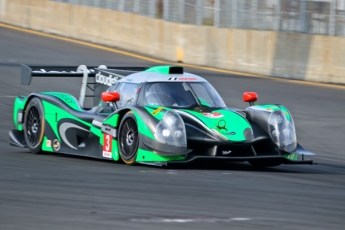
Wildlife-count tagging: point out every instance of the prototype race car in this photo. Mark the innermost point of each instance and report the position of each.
(159, 115)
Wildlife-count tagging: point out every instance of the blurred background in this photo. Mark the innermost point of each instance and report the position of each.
(299, 39)
(305, 16)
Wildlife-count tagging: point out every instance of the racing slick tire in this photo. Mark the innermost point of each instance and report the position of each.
(128, 138)
(34, 125)
(263, 164)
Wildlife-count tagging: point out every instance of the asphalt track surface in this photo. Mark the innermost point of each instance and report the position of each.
(39, 192)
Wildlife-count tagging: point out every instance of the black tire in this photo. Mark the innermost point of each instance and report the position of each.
(34, 125)
(128, 139)
(264, 163)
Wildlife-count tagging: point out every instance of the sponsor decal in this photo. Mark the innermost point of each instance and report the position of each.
(188, 79)
(213, 115)
(221, 125)
(107, 145)
(107, 129)
(55, 71)
(231, 133)
(106, 154)
(106, 80)
(157, 110)
(183, 79)
(49, 143)
(65, 97)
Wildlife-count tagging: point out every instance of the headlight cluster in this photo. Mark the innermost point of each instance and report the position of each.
(282, 131)
(171, 130)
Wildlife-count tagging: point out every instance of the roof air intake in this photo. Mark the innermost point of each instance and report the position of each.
(176, 70)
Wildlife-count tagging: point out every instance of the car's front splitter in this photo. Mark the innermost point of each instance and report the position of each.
(278, 159)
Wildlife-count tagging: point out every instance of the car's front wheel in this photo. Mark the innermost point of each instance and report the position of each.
(128, 139)
(34, 125)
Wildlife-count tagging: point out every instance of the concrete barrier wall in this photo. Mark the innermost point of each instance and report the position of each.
(289, 55)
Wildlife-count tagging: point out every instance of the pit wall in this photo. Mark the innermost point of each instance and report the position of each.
(290, 55)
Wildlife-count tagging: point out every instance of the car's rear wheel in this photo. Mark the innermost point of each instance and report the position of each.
(264, 164)
(34, 125)
(128, 139)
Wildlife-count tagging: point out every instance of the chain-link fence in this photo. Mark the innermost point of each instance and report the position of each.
(307, 16)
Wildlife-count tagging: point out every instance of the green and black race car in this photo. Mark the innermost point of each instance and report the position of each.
(158, 116)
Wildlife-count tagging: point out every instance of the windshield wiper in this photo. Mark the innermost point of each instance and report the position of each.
(194, 96)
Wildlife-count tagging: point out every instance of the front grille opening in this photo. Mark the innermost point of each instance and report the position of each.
(234, 151)
(265, 148)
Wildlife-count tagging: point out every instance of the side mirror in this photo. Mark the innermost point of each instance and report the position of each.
(110, 96)
(250, 97)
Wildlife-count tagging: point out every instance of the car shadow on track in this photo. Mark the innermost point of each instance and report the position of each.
(316, 168)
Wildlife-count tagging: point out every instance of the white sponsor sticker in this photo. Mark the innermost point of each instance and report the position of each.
(106, 80)
(49, 143)
(106, 154)
(213, 115)
(107, 145)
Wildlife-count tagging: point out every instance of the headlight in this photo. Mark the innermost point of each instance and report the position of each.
(170, 118)
(171, 130)
(282, 131)
(248, 134)
(275, 118)
(166, 132)
(178, 133)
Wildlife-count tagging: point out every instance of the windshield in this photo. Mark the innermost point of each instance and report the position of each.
(182, 95)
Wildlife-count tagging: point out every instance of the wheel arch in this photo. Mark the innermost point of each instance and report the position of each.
(23, 110)
(122, 113)
(32, 95)
(143, 127)
(125, 114)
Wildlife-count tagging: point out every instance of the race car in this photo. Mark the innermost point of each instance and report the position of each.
(158, 116)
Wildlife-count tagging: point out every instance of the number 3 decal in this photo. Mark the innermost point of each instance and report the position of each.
(107, 145)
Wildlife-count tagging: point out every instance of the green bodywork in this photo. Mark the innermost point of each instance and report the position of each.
(227, 123)
(53, 114)
(271, 107)
(159, 69)
(156, 111)
(291, 156)
(142, 127)
(149, 156)
(67, 98)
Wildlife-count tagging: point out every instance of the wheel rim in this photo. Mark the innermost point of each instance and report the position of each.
(129, 139)
(33, 126)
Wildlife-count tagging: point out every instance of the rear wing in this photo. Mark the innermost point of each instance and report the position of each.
(96, 79)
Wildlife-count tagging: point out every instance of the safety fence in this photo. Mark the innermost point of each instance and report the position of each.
(326, 17)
